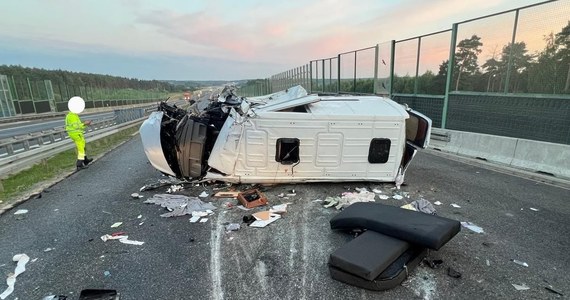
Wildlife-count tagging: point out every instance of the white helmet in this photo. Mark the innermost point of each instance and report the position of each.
(76, 104)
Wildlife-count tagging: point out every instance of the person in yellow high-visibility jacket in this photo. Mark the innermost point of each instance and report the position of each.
(75, 129)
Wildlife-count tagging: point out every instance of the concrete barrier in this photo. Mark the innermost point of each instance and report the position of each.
(543, 157)
(524, 154)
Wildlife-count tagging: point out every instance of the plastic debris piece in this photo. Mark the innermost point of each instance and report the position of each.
(21, 261)
(263, 223)
(397, 197)
(361, 190)
(520, 263)
(291, 195)
(455, 205)
(243, 207)
(279, 209)
(34, 260)
(54, 297)
(21, 212)
(136, 195)
(434, 264)
(203, 220)
(522, 287)
(179, 204)
(161, 183)
(383, 197)
(203, 195)
(437, 203)
(48, 249)
(107, 273)
(233, 227)
(93, 294)
(117, 224)
(139, 216)
(194, 219)
(281, 195)
(534, 209)
(552, 290)
(141, 223)
(122, 238)
(453, 273)
(377, 191)
(408, 206)
(472, 227)
(317, 200)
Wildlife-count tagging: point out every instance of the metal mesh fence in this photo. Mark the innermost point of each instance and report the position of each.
(498, 68)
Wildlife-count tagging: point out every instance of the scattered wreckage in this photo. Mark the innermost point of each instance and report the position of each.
(288, 136)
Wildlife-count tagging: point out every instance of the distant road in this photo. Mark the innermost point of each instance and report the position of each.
(8, 130)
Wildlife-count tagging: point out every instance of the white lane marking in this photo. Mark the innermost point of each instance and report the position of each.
(215, 267)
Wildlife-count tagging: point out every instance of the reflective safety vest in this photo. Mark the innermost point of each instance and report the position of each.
(73, 124)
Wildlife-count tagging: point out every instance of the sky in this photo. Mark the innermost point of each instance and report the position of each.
(226, 40)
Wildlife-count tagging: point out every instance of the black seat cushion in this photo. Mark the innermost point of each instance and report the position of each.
(368, 255)
(414, 227)
(391, 277)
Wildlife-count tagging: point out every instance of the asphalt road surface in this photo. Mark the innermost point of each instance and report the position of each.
(8, 130)
(287, 259)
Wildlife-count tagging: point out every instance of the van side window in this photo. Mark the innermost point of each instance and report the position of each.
(287, 151)
(379, 151)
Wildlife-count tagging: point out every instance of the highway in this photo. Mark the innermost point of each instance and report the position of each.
(8, 130)
(288, 259)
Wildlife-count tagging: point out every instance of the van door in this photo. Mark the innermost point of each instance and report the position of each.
(418, 129)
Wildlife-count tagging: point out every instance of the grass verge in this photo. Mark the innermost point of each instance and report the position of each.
(25, 182)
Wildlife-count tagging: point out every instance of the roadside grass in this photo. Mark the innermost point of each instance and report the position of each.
(24, 182)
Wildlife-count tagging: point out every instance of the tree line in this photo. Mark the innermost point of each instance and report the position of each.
(513, 70)
(80, 79)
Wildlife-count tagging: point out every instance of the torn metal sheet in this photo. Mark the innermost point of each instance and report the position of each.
(179, 205)
(287, 136)
(21, 261)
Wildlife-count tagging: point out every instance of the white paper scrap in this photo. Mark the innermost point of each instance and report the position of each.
(437, 203)
(522, 287)
(21, 212)
(534, 209)
(116, 224)
(21, 260)
(377, 191)
(203, 195)
(455, 205)
(204, 220)
(194, 219)
(125, 240)
(383, 197)
(262, 223)
(397, 197)
(140, 216)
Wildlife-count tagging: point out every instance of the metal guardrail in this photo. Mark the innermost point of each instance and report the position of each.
(19, 152)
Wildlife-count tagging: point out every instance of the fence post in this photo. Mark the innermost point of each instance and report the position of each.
(338, 74)
(392, 57)
(323, 62)
(417, 66)
(510, 64)
(376, 55)
(450, 64)
(354, 79)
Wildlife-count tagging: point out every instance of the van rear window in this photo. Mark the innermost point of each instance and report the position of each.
(379, 151)
(287, 151)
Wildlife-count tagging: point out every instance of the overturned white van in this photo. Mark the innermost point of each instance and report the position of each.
(288, 136)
